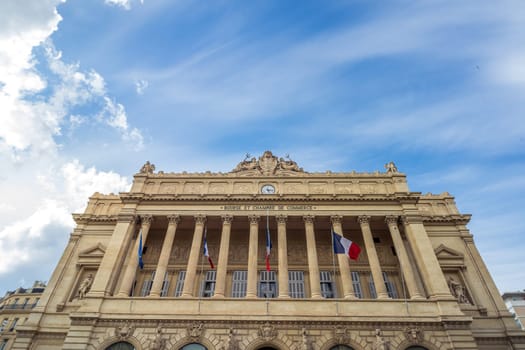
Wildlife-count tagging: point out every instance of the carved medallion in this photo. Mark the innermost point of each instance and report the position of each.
(414, 334)
(267, 331)
(195, 330)
(340, 334)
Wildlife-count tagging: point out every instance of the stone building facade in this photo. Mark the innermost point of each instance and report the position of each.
(419, 282)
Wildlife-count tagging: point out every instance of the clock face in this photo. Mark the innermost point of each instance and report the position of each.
(267, 189)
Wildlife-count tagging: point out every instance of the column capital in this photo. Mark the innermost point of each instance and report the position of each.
(254, 219)
(336, 219)
(363, 219)
(281, 219)
(146, 219)
(200, 219)
(227, 218)
(309, 219)
(391, 219)
(173, 219)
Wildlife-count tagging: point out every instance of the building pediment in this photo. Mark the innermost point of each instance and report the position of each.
(267, 165)
(448, 256)
(92, 255)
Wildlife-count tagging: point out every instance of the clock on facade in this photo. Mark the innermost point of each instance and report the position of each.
(267, 189)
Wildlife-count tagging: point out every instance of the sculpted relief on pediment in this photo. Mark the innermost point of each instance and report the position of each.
(267, 165)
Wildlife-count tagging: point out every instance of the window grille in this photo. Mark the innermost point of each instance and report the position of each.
(327, 285)
(13, 325)
(3, 344)
(4, 323)
(165, 285)
(356, 283)
(180, 283)
(146, 285)
(296, 284)
(208, 285)
(390, 286)
(267, 284)
(239, 284)
(372, 286)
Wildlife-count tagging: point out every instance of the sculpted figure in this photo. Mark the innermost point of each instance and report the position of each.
(391, 167)
(147, 168)
(85, 286)
(457, 290)
(289, 165)
(246, 164)
(380, 343)
(158, 342)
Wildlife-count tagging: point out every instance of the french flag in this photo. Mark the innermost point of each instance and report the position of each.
(268, 248)
(345, 246)
(206, 252)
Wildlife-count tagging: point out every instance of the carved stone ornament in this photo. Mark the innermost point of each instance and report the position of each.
(414, 334)
(267, 165)
(195, 330)
(380, 343)
(305, 344)
(158, 342)
(340, 334)
(391, 167)
(125, 330)
(147, 168)
(85, 286)
(267, 331)
(229, 343)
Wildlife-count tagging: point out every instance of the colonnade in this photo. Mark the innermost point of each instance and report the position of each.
(417, 238)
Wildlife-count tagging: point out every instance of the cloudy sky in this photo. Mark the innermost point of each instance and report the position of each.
(91, 89)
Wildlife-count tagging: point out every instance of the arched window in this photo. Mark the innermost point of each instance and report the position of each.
(121, 345)
(341, 347)
(416, 348)
(193, 346)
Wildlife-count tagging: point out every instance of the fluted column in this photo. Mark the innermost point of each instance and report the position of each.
(191, 270)
(164, 258)
(251, 287)
(426, 259)
(282, 256)
(133, 262)
(313, 266)
(348, 289)
(373, 260)
(222, 264)
(404, 262)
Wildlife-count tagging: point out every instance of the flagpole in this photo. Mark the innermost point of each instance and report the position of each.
(333, 265)
(203, 285)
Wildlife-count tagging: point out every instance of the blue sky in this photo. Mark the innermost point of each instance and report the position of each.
(90, 90)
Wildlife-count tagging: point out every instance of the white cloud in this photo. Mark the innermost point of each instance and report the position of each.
(126, 4)
(140, 86)
(114, 115)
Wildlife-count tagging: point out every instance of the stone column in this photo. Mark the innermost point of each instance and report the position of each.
(404, 262)
(313, 266)
(164, 258)
(222, 264)
(282, 256)
(191, 270)
(251, 287)
(344, 267)
(133, 262)
(426, 259)
(373, 260)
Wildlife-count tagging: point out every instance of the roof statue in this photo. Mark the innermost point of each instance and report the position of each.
(391, 167)
(147, 168)
(267, 165)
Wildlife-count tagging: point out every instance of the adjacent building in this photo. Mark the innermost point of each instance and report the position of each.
(515, 302)
(245, 260)
(15, 308)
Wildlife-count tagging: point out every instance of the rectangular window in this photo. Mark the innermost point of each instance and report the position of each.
(26, 301)
(13, 325)
(296, 284)
(239, 284)
(356, 283)
(372, 286)
(165, 285)
(327, 285)
(208, 285)
(180, 283)
(146, 285)
(390, 287)
(267, 284)
(4, 323)
(36, 302)
(3, 344)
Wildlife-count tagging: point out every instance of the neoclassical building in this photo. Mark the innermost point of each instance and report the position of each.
(418, 283)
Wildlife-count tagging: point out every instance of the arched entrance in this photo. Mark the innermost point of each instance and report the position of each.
(417, 347)
(341, 347)
(121, 345)
(267, 348)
